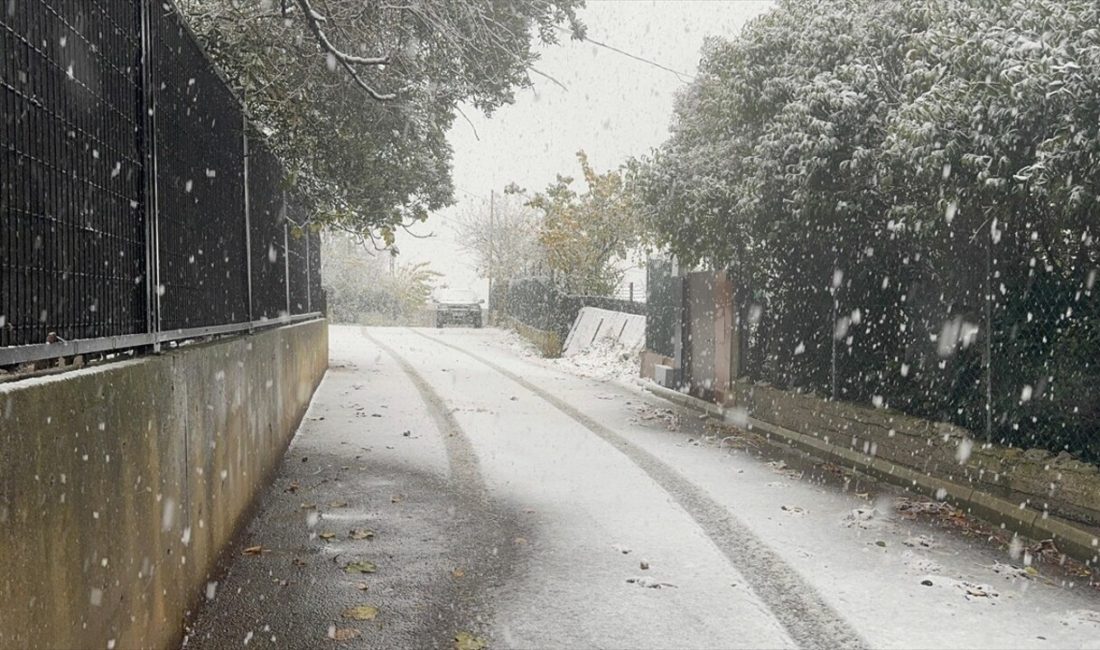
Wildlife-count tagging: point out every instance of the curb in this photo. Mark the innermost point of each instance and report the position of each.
(1078, 543)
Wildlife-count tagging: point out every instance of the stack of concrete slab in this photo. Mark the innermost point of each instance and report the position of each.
(594, 324)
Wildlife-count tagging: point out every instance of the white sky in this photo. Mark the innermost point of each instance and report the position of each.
(614, 108)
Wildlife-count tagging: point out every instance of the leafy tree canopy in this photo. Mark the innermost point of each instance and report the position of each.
(920, 118)
(357, 97)
(587, 235)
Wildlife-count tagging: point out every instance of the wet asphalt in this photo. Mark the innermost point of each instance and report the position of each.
(344, 495)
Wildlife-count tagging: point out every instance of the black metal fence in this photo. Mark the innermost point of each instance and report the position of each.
(989, 331)
(137, 205)
(538, 303)
(664, 297)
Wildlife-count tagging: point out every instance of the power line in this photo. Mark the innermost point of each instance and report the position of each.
(682, 76)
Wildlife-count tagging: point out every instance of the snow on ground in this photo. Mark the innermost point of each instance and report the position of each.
(900, 580)
(605, 359)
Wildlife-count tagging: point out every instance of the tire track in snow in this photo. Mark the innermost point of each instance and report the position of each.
(463, 463)
(810, 621)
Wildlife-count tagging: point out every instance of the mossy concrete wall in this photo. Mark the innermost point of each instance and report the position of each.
(1035, 479)
(547, 343)
(121, 484)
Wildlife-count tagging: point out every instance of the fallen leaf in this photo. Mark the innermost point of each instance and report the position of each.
(254, 550)
(458, 573)
(361, 613)
(338, 504)
(361, 586)
(308, 506)
(649, 583)
(467, 641)
(359, 533)
(880, 543)
(343, 634)
(396, 498)
(521, 541)
(361, 566)
(327, 535)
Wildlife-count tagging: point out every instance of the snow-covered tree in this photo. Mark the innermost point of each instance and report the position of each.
(890, 168)
(357, 97)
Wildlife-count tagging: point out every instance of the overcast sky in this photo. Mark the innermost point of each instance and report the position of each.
(613, 107)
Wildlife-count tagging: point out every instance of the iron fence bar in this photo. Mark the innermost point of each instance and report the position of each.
(20, 354)
(309, 278)
(247, 219)
(147, 135)
(987, 350)
(286, 253)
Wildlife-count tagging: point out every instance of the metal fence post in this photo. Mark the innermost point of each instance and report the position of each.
(833, 392)
(247, 223)
(148, 137)
(309, 277)
(987, 351)
(286, 253)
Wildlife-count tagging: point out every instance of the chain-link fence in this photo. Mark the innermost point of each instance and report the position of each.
(136, 203)
(988, 329)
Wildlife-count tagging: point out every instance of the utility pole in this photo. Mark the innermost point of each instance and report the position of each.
(492, 198)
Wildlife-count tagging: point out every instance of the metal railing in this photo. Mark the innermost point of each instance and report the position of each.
(137, 203)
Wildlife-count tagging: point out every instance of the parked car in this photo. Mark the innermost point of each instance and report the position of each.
(457, 306)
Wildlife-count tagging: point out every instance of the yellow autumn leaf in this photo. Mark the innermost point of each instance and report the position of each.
(467, 641)
(361, 613)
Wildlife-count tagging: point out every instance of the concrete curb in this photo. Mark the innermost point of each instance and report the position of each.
(1076, 542)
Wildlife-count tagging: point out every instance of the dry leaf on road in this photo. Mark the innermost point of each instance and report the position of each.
(362, 566)
(467, 641)
(360, 613)
(343, 634)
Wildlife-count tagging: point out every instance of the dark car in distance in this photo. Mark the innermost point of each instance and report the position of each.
(458, 307)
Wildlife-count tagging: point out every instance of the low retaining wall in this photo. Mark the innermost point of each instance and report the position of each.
(1034, 478)
(548, 343)
(864, 439)
(121, 484)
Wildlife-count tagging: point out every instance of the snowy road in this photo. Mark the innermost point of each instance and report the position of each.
(516, 503)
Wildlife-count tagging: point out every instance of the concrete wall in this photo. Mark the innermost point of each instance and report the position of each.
(120, 484)
(548, 343)
(1036, 479)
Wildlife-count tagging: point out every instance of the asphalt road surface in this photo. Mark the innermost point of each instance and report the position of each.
(447, 490)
